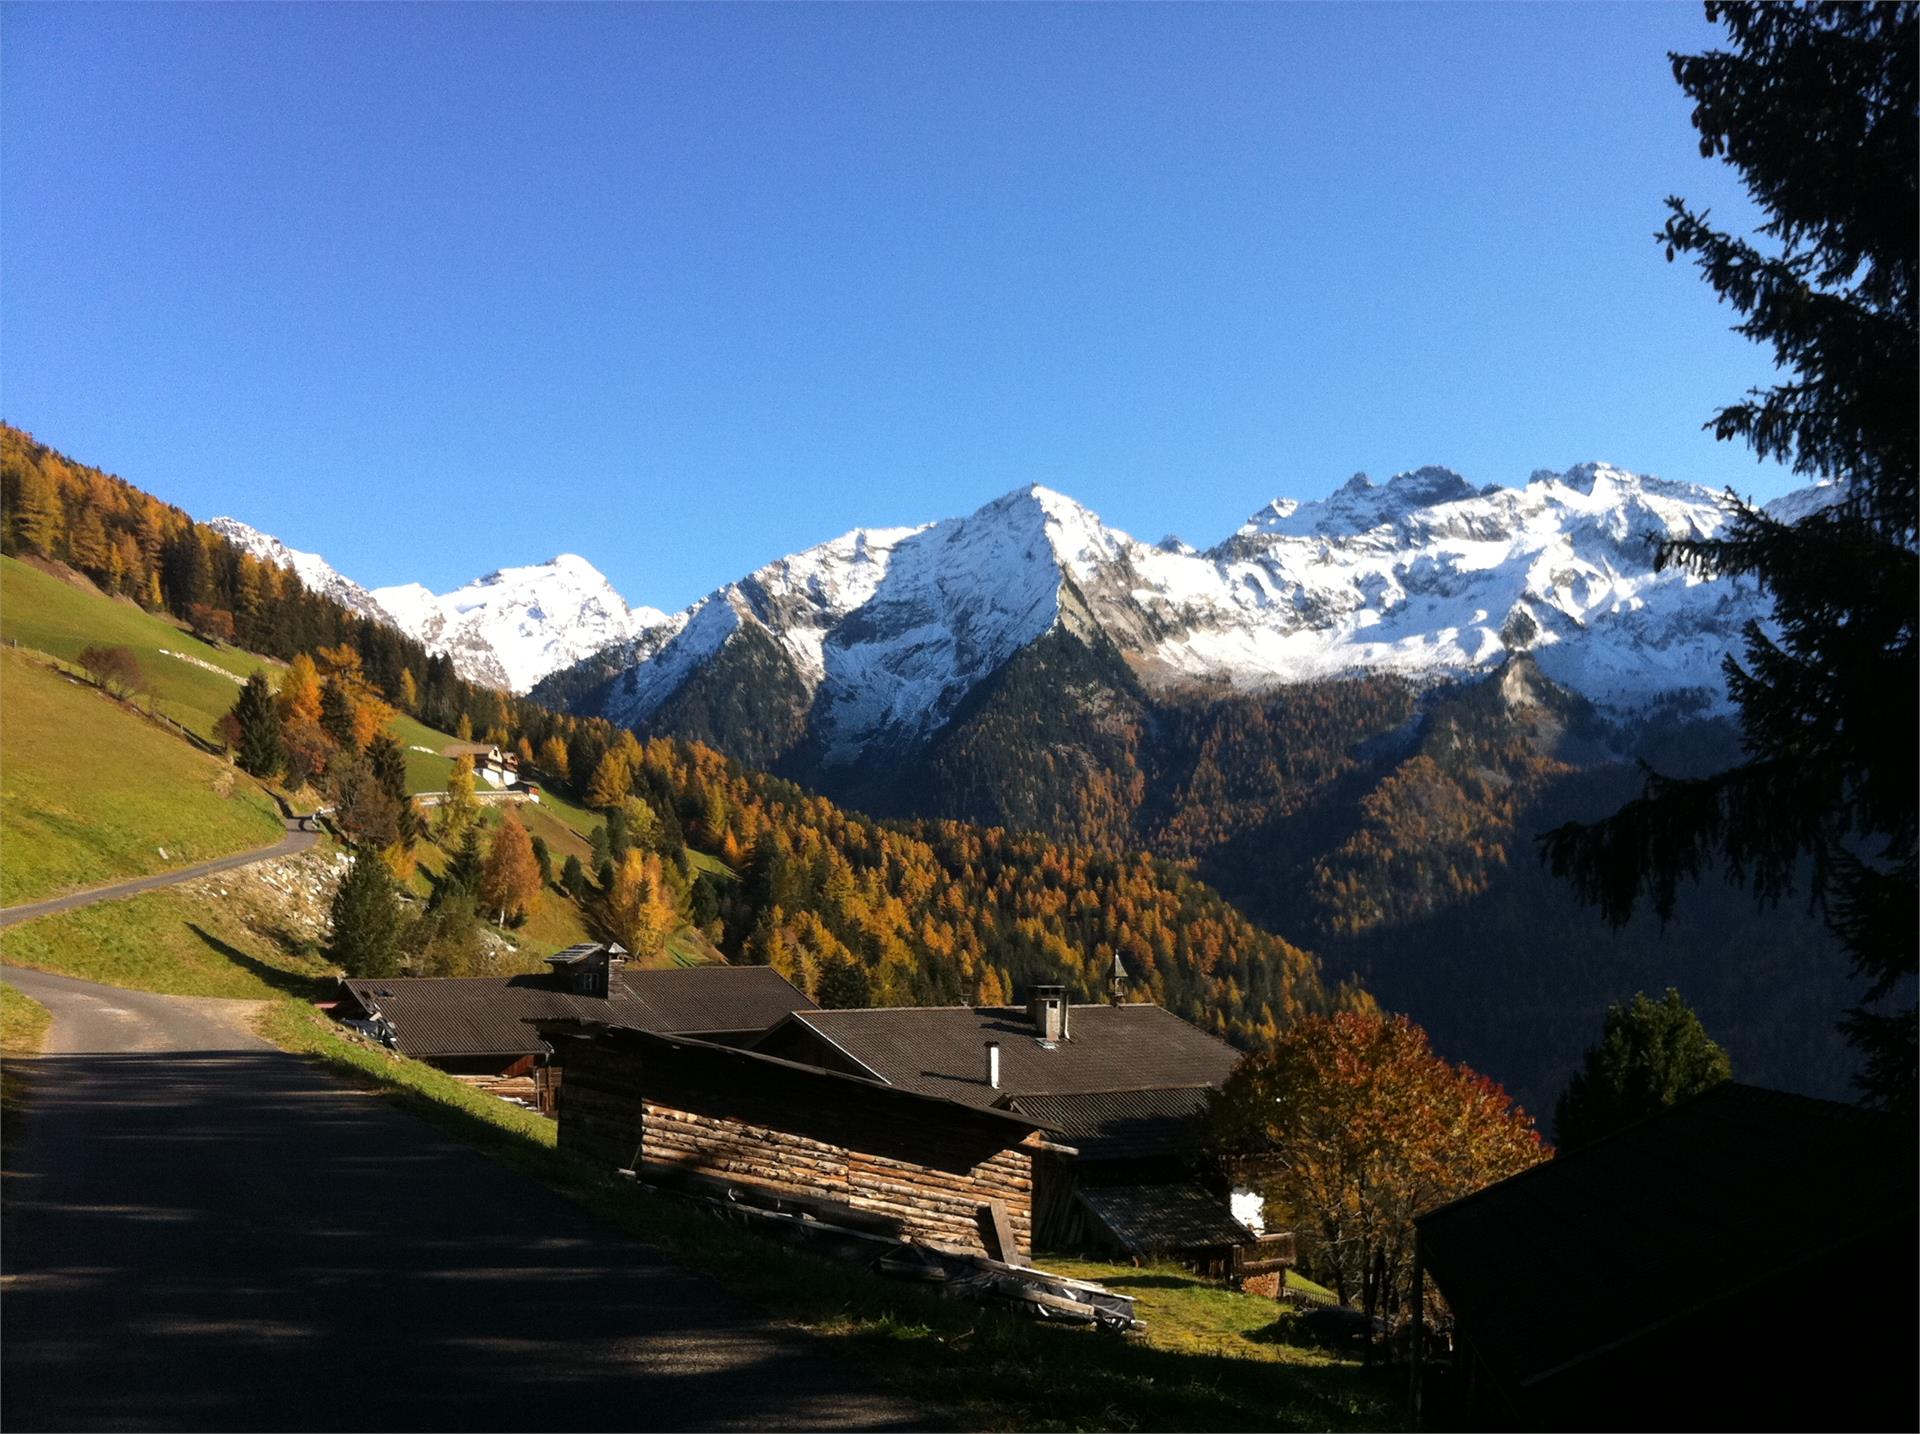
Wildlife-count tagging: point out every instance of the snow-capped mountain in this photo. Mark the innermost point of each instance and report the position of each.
(884, 632)
(508, 629)
(316, 574)
(514, 626)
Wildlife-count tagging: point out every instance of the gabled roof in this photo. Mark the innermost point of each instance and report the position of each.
(1579, 1256)
(795, 1075)
(1149, 1219)
(1121, 1124)
(442, 1017)
(939, 1050)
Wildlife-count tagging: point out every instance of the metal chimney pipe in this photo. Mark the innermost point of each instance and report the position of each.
(993, 1064)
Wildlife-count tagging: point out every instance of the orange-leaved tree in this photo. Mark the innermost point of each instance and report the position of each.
(510, 877)
(1351, 1127)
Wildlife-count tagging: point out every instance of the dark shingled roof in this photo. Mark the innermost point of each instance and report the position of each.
(1150, 1219)
(1120, 1124)
(442, 1017)
(939, 1050)
(1581, 1255)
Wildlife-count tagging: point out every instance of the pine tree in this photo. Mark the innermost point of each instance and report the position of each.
(463, 870)
(366, 919)
(258, 719)
(845, 985)
(1815, 107)
(389, 765)
(573, 878)
(336, 714)
(510, 876)
(1651, 1054)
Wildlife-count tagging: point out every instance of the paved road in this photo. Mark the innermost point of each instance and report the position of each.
(294, 840)
(206, 1233)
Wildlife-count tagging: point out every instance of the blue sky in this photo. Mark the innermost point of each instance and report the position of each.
(433, 290)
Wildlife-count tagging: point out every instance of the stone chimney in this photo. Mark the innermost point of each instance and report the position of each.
(1047, 1009)
(1117, 983)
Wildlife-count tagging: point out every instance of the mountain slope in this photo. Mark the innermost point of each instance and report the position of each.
(840, 662)
(508, 629)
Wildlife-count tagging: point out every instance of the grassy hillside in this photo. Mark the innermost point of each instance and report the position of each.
(61, 618)
(177, 942)
(92, 792)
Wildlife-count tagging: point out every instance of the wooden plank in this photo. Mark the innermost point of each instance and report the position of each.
(999, 1230)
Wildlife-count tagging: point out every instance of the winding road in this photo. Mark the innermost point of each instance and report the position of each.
(204, 1232)
(299, 837)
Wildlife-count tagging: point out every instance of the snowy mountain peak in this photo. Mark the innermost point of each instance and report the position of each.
(1359, 505)
(316, 574)
(515, 625)
(887, 632)
(507, 629)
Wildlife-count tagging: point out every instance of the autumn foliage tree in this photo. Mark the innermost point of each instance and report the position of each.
(1352, 1127)
(510, 882)
(640, 910)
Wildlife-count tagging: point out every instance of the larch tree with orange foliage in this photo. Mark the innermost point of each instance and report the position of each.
(510, 877)
(640, 910)
(1351, 1127)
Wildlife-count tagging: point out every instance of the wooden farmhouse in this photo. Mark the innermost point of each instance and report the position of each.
(480, 1025)
(674, 1110)
(1093, 1110)
(1743, 1260)
(1118, 1087)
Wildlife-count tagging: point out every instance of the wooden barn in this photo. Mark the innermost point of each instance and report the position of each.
(1743, 1260)
(479, 1025)
(1119, 1085)
(944, 1172)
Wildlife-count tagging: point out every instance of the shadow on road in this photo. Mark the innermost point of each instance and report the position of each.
(230, 1241)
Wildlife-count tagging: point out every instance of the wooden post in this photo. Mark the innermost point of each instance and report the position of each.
(1416, 1345)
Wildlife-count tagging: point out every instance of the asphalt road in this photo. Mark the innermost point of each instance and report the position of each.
(203, 1232)
(294, 840)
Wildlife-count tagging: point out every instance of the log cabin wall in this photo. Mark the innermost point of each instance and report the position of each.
(929, 1165)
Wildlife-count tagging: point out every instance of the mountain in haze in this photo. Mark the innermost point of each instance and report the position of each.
(867, 646)
(508, 629)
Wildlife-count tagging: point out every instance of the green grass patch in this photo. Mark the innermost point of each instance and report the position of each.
(58, 618)
(23, 1031)
(426, 771)
(172, 942)
(711, 865)
(1191, 1315)
(23, 1023)
(967, 1366)
(92, 792)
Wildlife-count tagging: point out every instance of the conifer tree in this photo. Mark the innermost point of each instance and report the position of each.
(365, 918)
(389, 765)
(1651, 1054)
(336, 714)
(258, 720)
(463, 870)
(573, 878)
(1815, 106)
